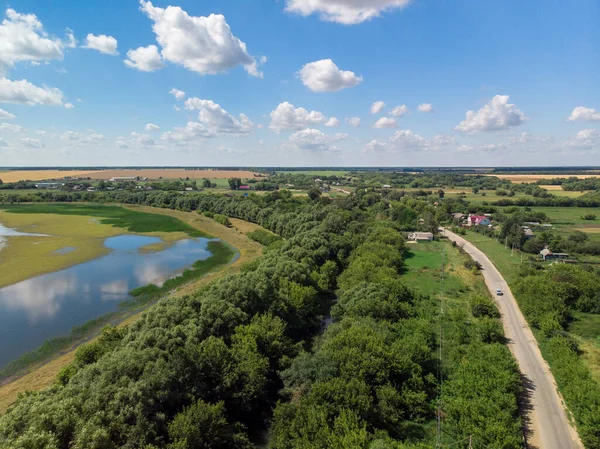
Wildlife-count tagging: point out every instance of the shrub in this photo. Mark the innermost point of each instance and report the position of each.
(222, 219)
(589, 217)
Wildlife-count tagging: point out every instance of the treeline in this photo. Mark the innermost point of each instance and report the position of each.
(548, 299)
(572, 183)
(588, 200)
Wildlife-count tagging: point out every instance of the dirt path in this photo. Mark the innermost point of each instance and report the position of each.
(548, 426)
(44, 375)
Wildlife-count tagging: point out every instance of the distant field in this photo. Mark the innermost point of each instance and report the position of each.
(151, 173)
(316, 172)
(533, 178)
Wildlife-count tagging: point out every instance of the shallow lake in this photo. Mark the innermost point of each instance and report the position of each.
(48, 306)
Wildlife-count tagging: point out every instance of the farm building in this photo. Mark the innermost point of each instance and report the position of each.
(421, 237)
(479, 220)
(49, 185)
(547, 254)
(244, 187)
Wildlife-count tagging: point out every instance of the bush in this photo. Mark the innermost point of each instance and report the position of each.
(222, 219)
(482, 306)
(263, 237)
(472, 264)
(589, 217)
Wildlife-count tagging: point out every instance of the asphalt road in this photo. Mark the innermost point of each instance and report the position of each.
(547, 424)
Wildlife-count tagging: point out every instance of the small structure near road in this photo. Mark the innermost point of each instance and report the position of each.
(421, 237)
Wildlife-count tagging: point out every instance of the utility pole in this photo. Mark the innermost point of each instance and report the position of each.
(470, 441)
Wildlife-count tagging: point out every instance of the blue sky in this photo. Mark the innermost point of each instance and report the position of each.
(527, 70)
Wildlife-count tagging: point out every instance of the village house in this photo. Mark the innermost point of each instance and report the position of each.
(478, 220)
(420, 237)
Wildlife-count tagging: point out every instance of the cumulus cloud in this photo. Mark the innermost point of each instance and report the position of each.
(406, 140)
(145, 59)
(497, 115)
(135, 140)
(76, 138)
(204, 45)
(11, 128)
(192, 131)
(315, 140)
(6, 115)
(23, 92)
(377, 107)
(22, 38)
(385, 122)
(399, 111)
(348, 12)
(285, 117)
(217, 119)
(325, 76)
(32, 143)
(583, 113)
(584, 139)
(333, 121)
(103, 43)
(69, 105)
(425, 107)
(178, 94)
(354, 121)
(151, 127)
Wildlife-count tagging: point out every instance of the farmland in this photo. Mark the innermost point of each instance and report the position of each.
(517, 179)
(150, 173)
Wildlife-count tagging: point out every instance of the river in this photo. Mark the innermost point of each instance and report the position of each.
(48, 306)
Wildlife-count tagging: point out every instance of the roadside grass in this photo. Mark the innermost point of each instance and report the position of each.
(43, 374)
(500, 256)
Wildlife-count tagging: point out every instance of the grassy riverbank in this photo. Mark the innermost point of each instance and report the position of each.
(82, 228)
(44, 374)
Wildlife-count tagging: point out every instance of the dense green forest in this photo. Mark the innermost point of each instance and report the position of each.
(252, 360)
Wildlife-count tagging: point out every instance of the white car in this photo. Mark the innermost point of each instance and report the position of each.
(499, 292)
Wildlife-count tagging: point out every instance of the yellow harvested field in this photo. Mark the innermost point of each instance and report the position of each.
(533, 178)
(39, 175)
(150, 173)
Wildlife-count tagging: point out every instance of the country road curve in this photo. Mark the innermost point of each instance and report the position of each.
(547, 424)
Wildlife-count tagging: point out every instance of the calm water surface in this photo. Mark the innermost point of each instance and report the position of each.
(48, 306)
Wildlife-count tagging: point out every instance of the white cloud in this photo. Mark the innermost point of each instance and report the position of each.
(217, 119)
(425, 107)
(145, 59)
(76, 138)
(406, 140)
(314, 139)
(399, 111)
(3, 143)
(333, 121)
(103, 43)
(178, 94)
(32, 143)
(348, 12)
(201, 44)
(496, 115)
(23, 92)
(325, 76)
(6, 115)
(583, 113)
(71, 41)
(22, 38)
(11, 128)
(584, 139)
(191, 132)
(354, 121)
(79, 100)
(385, 122)
(151, 127)
(285, 117)
(176, 108)
(377, 107)
(135, 140)
(69, 105)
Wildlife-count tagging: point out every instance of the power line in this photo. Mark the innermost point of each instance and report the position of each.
(440, 368)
